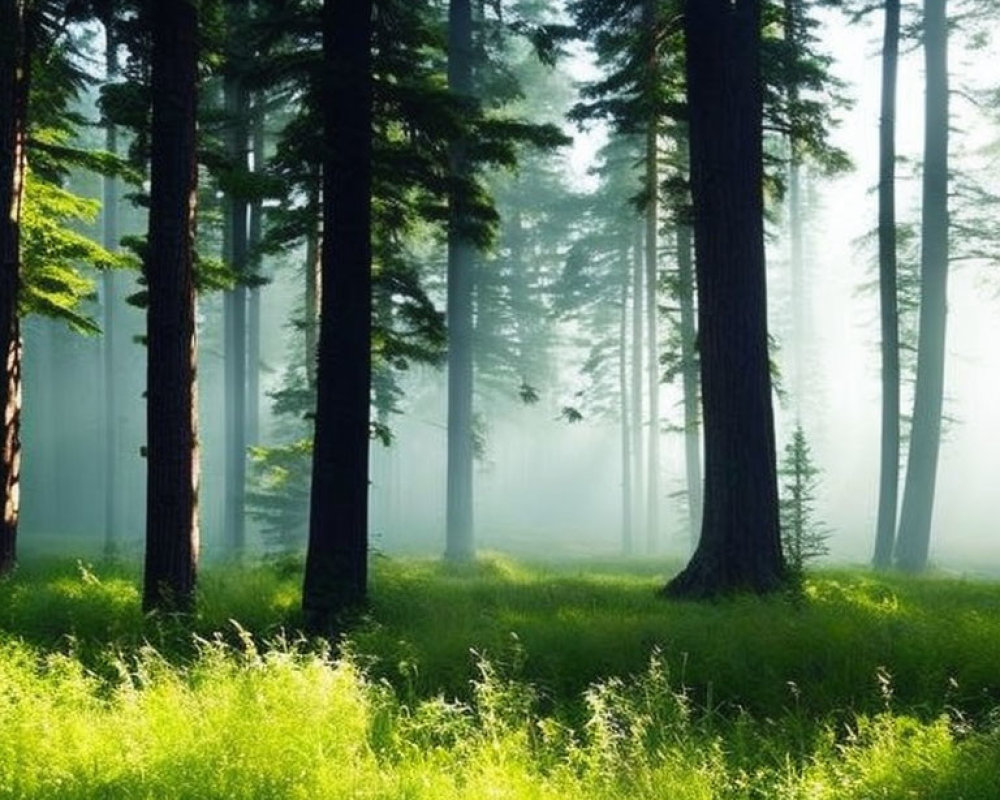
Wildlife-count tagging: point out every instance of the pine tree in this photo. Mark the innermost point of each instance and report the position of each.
(803, 537)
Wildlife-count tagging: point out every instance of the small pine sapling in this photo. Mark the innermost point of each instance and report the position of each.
(803, 537)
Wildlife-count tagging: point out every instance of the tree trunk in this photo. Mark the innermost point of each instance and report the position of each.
(314, 241)
(235, 300)
(110, 235)
(623, 393)
(171, 395)
(638, 507)
(740, 547)
(689, 379)
(460, 544)
(925, 438)
(337, 558)
(793, 35)
(888, 494)
(652, 287)
(13, 114)
(255, 235)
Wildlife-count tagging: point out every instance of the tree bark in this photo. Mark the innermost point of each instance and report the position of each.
(913, 543)
(14, 80)
(740, 548)
(460, 538)
(337, 558)
(171, 395)
(689, 379)
(888, 495)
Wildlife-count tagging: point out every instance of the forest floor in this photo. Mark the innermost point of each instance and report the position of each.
(503, 679)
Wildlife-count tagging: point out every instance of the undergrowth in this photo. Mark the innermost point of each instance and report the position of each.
(500, 680)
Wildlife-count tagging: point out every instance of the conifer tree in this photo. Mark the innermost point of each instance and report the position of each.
(803, 537)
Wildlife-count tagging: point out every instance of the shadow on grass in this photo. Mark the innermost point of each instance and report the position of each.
(855, 642)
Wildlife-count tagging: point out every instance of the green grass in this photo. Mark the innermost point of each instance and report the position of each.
(499, 680)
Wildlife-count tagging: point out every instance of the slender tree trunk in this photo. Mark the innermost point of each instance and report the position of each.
(689, 378)
(14, 80)
(235, 301)
(650, 19)
(460, 545)
(740, 547)
(793, 24)
(638, 507)
(888, 495)
(623, 393)
(255, 235)
(913, 543)
(337, 557)
(110, 235)
(171, 394)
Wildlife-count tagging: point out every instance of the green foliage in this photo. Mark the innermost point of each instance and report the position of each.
(867, 688)
(803, 537)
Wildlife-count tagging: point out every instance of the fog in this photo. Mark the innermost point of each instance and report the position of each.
(545, 485)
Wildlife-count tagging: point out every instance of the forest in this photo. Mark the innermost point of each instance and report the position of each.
(499, 399)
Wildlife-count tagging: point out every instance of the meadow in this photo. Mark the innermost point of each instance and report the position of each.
(502, 679)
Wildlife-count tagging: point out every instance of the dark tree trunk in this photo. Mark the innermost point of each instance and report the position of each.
(110, 235)
(623, 393)
(235, 301)
(337, 559)
(13, 114)
(925, 438)
(689, 379)
(888, 495)
(460, 544)
(310, 325)
(171, 428)
(740, 548)
(638, 507)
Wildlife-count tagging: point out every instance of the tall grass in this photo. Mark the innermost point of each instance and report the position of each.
(502, 680)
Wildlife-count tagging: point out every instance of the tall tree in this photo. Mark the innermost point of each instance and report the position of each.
(336, 561)
(236, 240)
(14, 61)
(740, 546)
(460, 543)
(913, 541)
(652, 30)
(110, 302)
(172, 441)
(888, 494)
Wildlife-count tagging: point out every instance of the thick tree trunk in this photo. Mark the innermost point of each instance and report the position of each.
(740, 548)
(638, 467)
(235, 301)
(13, 114)
(460, 544)
(110, 236)
(888, 494)
(913, 543)
(689, 379)
(623, 393)
(171, 395)
(337, 557)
